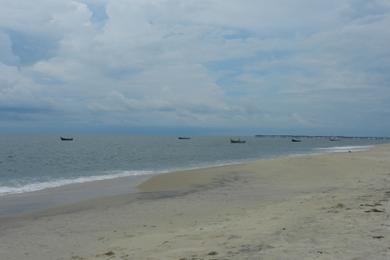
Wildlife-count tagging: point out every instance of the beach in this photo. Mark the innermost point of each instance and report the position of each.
(328, 206)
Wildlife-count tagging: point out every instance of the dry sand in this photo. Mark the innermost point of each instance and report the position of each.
(333, 206)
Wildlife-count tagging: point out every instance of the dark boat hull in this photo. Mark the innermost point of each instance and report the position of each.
(296, 140)
(66, 139)
(237, 141)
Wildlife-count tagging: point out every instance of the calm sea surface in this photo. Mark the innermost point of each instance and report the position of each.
(36, 162)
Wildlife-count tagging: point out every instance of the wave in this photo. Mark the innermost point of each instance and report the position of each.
(343, 149)
(6, 190)
(37, 186)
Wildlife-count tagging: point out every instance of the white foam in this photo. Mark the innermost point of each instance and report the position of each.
(6, 190)
(343, 149)
(37, 186)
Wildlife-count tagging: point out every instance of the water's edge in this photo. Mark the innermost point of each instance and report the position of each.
(81, 189)
(32, 187)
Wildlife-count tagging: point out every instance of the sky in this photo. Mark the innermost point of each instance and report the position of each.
(196, 66)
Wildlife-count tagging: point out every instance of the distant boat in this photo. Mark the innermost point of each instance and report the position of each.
(66, 138)
(184, 138)
(237, 141)
(333, 139)
(295, 140)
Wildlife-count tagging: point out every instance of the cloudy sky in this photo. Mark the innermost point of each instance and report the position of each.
(250, 66)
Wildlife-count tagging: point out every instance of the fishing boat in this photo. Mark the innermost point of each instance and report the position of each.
(237, 141)
(184, 138)
(295, 140)
(66, 138)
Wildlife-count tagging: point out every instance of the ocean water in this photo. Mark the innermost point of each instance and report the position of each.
(36, 162)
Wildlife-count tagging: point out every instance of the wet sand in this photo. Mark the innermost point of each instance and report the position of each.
(333, 206)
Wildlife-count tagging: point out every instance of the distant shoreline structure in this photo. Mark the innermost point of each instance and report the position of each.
(326, 136)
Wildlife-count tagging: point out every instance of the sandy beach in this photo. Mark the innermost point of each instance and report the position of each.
(330, 206)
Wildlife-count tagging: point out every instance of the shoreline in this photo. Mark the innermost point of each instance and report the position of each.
(331, 206)
(118, 174)
(86, 180)
(84, 191)
(123, 174)
(18, 204)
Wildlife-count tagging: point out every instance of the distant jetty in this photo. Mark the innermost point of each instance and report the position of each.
(338, 138)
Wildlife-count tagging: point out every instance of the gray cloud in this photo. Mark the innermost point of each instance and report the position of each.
(281, 64)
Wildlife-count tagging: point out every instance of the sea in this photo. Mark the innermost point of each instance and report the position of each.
(31, 163)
